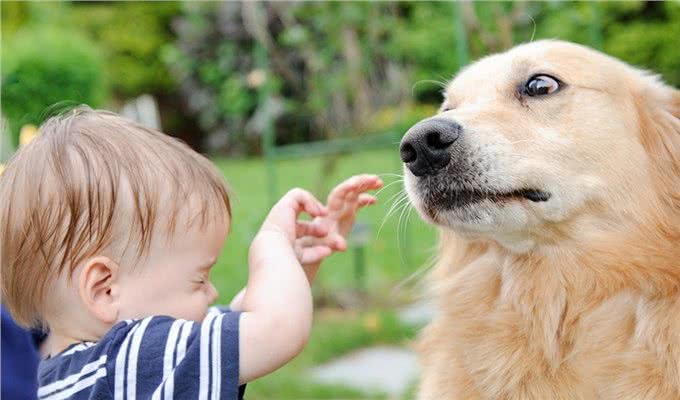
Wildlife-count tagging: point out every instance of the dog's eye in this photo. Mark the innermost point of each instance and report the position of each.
(540, 85)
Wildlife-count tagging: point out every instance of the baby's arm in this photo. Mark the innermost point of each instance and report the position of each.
(237, 302)
(277, 305)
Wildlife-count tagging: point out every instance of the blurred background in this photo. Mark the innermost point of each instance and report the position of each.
(303, 94)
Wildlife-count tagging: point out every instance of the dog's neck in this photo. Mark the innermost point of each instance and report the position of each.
(552, 288)
(644, 261)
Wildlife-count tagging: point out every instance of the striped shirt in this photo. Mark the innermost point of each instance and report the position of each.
(155, 358)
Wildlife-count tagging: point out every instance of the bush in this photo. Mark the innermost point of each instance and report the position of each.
(650, 42)
(325, 72)
(131, 36)
(644, 34)
(47, 66)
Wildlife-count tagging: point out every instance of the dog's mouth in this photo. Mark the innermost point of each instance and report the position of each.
(534, 195)
(461, 198)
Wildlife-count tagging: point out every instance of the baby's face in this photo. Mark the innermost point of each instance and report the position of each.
(174, 279)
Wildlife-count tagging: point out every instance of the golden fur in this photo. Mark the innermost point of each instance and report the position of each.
(577, 297)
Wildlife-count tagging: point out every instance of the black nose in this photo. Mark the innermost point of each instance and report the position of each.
(424, 147)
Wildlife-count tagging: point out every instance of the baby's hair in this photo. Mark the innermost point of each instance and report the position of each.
(91, 179)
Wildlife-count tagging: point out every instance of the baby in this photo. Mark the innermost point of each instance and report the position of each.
(108, 233)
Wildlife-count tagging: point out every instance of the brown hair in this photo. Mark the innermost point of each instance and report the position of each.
(91, 178)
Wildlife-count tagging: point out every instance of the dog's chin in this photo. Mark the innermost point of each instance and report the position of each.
(479, 216)
(475, 212)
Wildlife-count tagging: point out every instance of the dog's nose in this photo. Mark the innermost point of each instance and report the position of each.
(424, 147)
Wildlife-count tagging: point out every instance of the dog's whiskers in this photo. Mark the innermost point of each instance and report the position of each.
(436, 82)
(405, 210)
(534, 32)
(395, 206)
(426, 267)
(388, 185)
(390, 174)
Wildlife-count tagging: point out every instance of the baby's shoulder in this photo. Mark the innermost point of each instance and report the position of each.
(139, 357)
(167, 336)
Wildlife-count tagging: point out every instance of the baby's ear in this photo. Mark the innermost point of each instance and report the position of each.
(99, 288)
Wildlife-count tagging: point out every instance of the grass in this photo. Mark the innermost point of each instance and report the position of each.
(334, 334)
(397, 252)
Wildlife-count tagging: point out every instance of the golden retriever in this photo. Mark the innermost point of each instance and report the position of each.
(553, 172)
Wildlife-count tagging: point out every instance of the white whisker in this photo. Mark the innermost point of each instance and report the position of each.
(426, 267)
(397, 203)
(404, 210)
(388, 185)
(534, 32)
(391, 174)
(441, 84)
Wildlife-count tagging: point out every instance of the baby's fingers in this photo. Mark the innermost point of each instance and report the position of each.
(313, 255)
(366, 200)
(334, 241)
(352, 187)
(362, 183)
(305, 201)
(307, 228)
(338, 243)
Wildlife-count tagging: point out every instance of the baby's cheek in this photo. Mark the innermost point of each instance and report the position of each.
(199, 305)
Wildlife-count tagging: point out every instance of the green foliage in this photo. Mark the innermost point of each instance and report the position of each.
(340, 67)
(399, 119)
(574, 22)
(41, 67)
(644, 34)
(14, 15)
(132, 36)
(651, 42)
(211, 61)
(424, 39)
(330, 68)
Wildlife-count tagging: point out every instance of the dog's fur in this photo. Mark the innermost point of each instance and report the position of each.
(577, 297)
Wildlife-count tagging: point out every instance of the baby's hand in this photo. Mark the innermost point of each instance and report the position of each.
(344, 203)
(283, 217)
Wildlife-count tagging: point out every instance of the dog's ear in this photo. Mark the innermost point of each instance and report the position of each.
(658, 108)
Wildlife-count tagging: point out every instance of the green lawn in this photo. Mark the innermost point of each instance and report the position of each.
(399, 251)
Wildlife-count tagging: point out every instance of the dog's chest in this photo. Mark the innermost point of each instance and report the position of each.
(529, 342)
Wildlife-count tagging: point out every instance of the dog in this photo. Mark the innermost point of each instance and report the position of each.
(553, 173)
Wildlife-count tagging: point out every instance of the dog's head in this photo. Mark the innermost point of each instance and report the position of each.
(547, 135)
